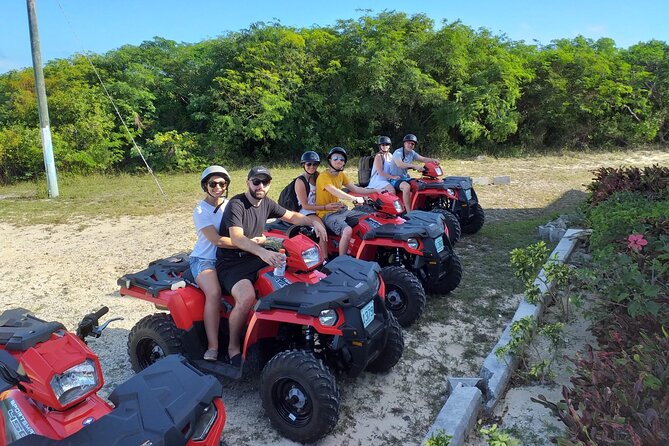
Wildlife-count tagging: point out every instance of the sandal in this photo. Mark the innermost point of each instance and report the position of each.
(211, 355)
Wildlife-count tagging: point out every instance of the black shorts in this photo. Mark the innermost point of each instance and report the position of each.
(232, 270)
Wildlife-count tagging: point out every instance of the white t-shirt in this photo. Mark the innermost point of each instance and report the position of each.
(377, 181)
(311, 199)
(203, 216)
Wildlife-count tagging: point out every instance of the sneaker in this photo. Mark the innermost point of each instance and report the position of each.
(211, 355)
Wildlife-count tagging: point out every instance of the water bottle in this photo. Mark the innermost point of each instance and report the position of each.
(281, 269)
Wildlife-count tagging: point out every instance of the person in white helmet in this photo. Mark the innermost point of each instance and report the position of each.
(207, 217)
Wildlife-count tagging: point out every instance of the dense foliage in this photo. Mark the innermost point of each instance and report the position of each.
(620, 392)
(270, 92)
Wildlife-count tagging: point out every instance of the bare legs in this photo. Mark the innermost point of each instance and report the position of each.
(207, 280)
(245, 297)
(405, 188)
(345, 240)
(323, 244)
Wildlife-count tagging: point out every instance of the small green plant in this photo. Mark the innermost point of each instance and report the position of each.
(497, 437)
(521, 336)
(439, 438)
(560, 274)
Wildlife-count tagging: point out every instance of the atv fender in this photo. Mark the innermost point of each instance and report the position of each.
(265, 324)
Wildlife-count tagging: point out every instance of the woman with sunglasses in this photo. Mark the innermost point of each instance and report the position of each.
(382, 166)
(307, 199)
(207, 218)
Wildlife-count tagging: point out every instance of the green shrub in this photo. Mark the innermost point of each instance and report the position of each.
(622, 214)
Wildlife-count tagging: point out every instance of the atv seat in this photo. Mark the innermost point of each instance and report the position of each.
(164, 274)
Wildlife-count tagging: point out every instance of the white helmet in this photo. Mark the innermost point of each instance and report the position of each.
(213, 170)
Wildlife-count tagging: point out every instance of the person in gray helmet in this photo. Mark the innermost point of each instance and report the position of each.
(403, 158)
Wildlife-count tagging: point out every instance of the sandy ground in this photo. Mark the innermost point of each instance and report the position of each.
(62, 272)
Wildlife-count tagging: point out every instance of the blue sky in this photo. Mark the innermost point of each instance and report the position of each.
(72, 26)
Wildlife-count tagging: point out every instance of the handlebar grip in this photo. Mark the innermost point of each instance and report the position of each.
(101, 312)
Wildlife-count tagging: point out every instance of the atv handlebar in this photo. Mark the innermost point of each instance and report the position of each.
(89, 324)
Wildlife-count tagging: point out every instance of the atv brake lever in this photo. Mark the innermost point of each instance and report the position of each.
(97, 331)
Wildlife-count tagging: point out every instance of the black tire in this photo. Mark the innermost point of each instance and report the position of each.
(450, 280)
(405, 296)
(453, 225)
(151, 339)
(393, 350)
(300, 396)
(476, 220)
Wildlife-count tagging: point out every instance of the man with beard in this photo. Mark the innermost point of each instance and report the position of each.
(243, 221)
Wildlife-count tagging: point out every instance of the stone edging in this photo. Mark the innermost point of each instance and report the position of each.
(468, 396)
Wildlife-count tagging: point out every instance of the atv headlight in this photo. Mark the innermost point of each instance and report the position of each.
(450, 191)
(311, 256)
(75, 382)
(328, 317)
(413, 243)
(204, 423)
(438, 171)
(397, 205)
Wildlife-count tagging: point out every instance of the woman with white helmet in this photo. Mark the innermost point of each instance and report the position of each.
(207, 218)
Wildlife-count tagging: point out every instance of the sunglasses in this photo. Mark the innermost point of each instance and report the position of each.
(311, 164)
(336, 158)
(257, 181)
(220, 184)
(385, 145)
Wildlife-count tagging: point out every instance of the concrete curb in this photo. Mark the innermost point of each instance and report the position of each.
(469, 396)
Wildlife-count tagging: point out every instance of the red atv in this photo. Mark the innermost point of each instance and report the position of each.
(413, 250)
(450, 195)
(49, 380)
(305, 325)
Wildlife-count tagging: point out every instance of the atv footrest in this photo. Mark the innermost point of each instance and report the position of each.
(219, 368)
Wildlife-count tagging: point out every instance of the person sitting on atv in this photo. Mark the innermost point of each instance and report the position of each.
(243, 221)
(329, 192)
(403, 157)
(207, 216)
(307, 198)
(381, 167)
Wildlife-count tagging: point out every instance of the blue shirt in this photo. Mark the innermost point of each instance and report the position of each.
(400, 155)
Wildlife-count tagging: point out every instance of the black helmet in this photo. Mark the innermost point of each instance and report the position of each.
(211, 171)
(410, 137)
(310, 157)
(384, 140)
(338, 150)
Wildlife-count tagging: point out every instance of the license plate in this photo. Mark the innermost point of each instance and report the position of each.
(367, 314)
(439, 243)
(468, 194)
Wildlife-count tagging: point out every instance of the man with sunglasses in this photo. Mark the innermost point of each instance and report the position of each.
(402, 162)
(244, 221)
(329, 193)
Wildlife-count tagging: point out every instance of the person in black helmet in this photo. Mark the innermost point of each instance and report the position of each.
(329, 193)
(402, 162)
(307, 198)
(207, 217)
(383, 159)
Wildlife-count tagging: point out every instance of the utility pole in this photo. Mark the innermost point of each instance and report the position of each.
(49, 163)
